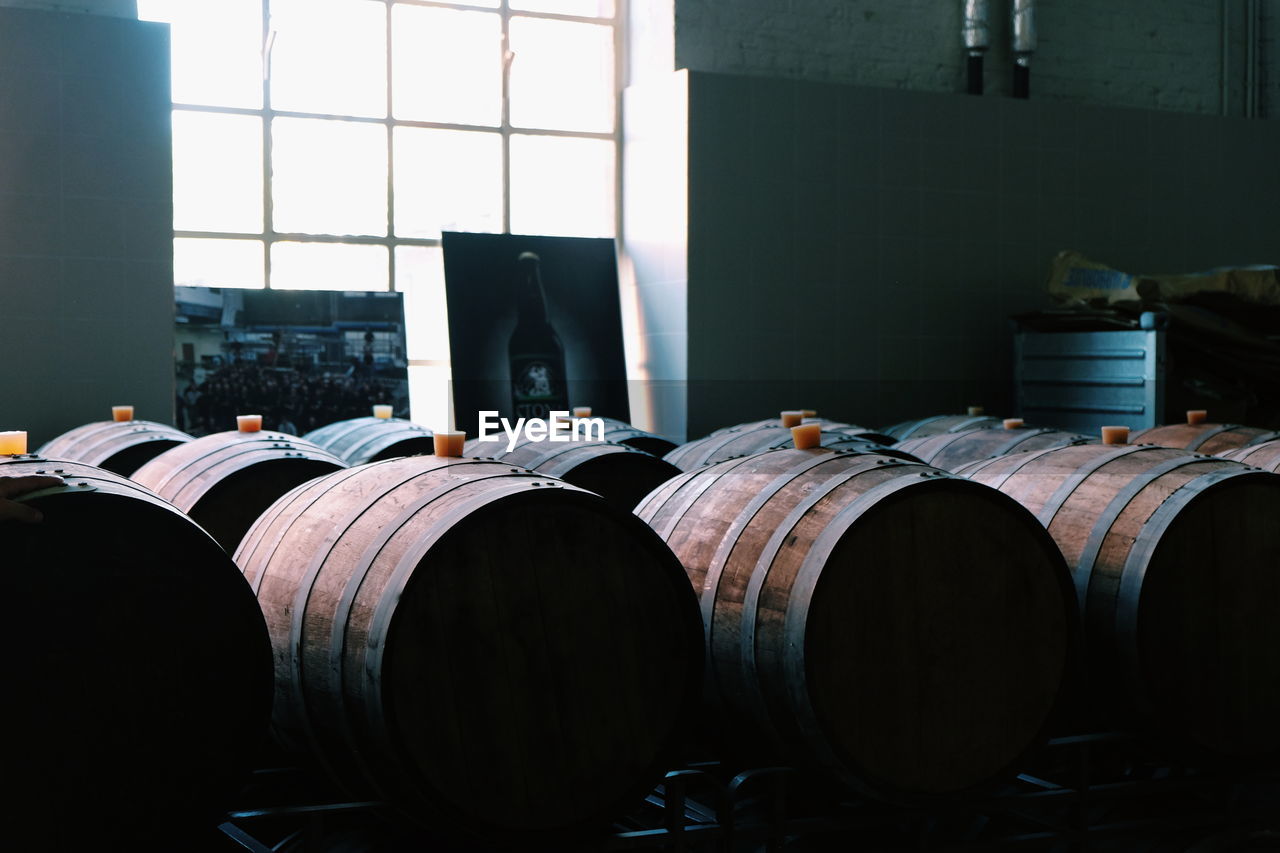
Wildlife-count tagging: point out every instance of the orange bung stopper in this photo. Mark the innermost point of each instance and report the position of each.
(582, 411)
(382, 410)
(974, 411)
(1115, 435)
(449, 443)
(792, 418)
(1197, 416)
(249, 423)
(121, 413)
(13, 443)
(1014, 423)
(806, 436)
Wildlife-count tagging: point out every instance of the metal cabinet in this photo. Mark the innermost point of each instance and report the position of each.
(1083, 380)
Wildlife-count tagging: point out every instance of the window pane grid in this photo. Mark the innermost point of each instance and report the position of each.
(527, 9)
(601, 15)
(431, 125)
(566, 189)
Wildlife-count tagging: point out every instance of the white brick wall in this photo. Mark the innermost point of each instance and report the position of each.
(1160, 54)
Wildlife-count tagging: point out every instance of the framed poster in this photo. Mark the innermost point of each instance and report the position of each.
(300, 358)
(535, 326)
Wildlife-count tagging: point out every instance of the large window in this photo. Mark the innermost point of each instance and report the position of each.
(327, 143)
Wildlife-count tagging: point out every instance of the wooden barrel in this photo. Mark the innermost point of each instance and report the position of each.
(1204, 438)
(1265, 455)
(621, 432)
(360, 440)
(952, 450)
(939, 424)
(118, 446)
(860, 432)
(225, 480)
(903, 627)
(774, 422)
(482, 646)
(620, 473)
(727, 445)
(138, 682)
(1176, 558)
(828, 425)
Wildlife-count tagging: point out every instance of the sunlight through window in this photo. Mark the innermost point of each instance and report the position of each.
(562, 186)
(329, 57)
(447, 65)
(580, 8)
(216, 49)
(328, 177)
(205, 262)
(447, 180)
(217, 172)
(561, 75)
(328, 266)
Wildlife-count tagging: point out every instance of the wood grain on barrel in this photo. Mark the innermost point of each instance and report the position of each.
(120, 447)
(874, 616)
(478, 643)
(1265, 455)
(360, 440)
(728, 444)
(621, 432)
(952, 450)
(144, 689)
(1204, 438)
(776, 421)
(1175, 557)
(939, 424)
(828, 425)
(224, 481)
(859, 432)
(621, 474)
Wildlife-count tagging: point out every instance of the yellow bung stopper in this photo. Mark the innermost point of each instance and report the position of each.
(1115, 435)
(13, 443)
(806, 436)
(449, 443)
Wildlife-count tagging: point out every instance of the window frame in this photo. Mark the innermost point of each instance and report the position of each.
(505, 130)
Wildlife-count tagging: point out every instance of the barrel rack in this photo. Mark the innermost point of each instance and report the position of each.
(1086, 792)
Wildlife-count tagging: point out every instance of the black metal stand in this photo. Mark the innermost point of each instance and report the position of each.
(1088, 792)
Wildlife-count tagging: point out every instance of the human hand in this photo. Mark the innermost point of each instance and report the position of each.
(12, 487)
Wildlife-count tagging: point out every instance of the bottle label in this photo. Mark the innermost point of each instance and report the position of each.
(537, 388)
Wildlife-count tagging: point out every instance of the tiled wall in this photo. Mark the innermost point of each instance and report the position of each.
(857, 250)
(86, 269)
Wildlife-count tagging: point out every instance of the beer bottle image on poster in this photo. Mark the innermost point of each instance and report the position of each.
(538, 376)
(535, 326)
